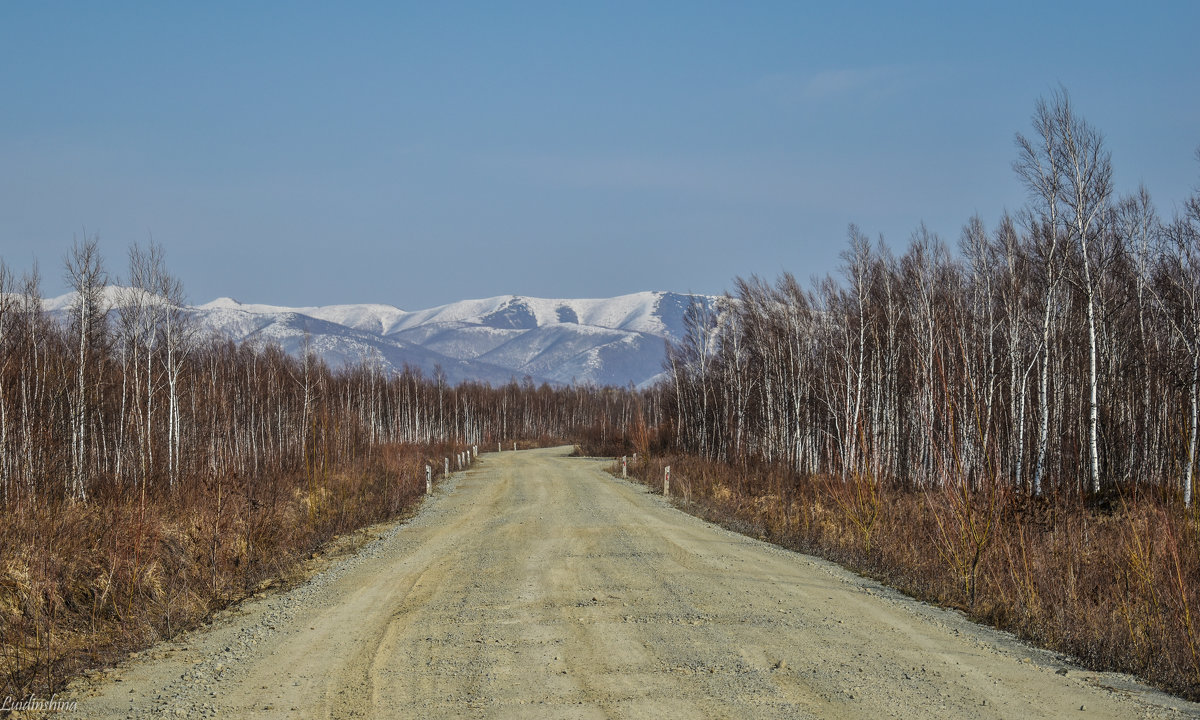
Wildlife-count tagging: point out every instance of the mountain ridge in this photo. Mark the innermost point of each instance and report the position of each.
(561, 341)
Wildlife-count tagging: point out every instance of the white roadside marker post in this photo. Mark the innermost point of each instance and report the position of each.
(667, 482)
(446, 472)
(428, 480)
(498, 448)
(475, 449)
(514, 446)
(624, 469)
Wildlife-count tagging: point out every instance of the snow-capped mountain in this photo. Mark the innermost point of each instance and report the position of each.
(613, 341)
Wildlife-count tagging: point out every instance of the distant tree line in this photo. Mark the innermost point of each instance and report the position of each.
(127, 397)
(1057, 352)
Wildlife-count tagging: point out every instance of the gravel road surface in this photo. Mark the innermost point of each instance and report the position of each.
(534, 585)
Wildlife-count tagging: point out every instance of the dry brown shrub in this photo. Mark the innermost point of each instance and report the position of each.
(80, 584)
(1119, 589)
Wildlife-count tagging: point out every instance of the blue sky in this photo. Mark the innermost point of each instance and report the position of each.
(419, 153)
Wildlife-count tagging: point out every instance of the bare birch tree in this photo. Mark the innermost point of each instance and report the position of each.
(86, 277)
(1039, 166)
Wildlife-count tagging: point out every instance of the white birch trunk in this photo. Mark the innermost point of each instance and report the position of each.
(1187, 477)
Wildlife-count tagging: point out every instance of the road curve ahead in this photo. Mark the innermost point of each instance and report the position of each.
(536, 586)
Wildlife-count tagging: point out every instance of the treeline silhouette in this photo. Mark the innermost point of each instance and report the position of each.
(1058, 352)
(1010, 428)
(123, 396)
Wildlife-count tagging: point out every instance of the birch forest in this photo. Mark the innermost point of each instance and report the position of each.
(127, 399)
(1005, 423)
(1056, 352)
(151, 475)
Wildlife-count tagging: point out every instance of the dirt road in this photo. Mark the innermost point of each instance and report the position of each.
(535, 585)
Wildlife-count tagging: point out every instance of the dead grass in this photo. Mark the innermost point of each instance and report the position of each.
(84, 584)
(1118, 587)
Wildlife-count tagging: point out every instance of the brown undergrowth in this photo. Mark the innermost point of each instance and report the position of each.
(1117, 587)
(82, 584)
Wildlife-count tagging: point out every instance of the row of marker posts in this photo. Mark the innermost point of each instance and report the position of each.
(469, 455)
(464, 458)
